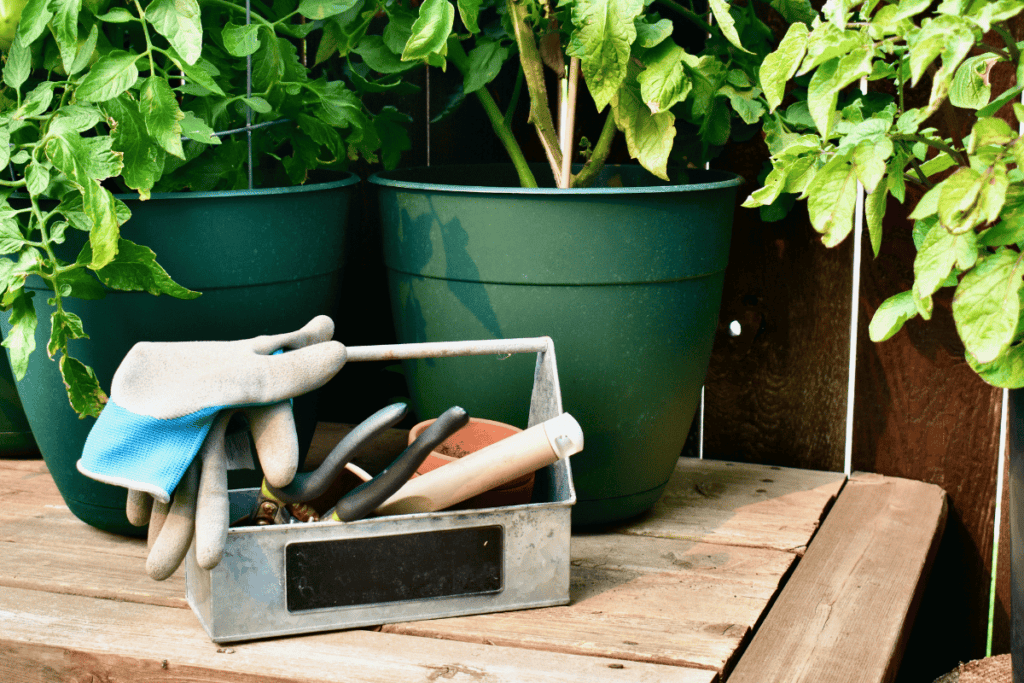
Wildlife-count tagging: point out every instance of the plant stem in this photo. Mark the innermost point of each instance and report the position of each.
(570, 121)
(514, 101)
(458, 57)
(687, 14)
(1011, 44)
(533, 71)
(586, 177)
(145, 33)
(941, 146)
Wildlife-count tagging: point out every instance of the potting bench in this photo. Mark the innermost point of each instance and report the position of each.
(741, 573)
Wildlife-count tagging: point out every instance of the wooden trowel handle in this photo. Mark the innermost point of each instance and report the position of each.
(497, 464)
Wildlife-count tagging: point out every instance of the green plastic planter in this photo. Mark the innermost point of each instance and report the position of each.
(266, 261)
(626, 277)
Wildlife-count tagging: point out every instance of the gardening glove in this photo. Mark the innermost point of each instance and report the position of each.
(165, 397)
(200, 504)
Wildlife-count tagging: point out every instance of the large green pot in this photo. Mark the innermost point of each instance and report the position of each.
(266, 261)
(626, 278)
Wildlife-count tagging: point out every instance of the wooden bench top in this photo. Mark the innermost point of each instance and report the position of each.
(719, 582)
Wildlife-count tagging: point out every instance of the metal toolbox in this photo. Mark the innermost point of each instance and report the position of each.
(301, 578)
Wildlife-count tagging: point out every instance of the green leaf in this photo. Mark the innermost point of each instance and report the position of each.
(773, 186)
(268, 62)
(64, 326)
(240, 41)
(648, 136)
(37, 101)
(874, 212)
(1010, 231)
(258, 104)
(485, 61)
(111, 75)
(430, 31)
(321, 9)
(391, 126)
(829, 79)
(159, 109)
(98, 204)
(827, 42)
(720, 10)
(664, 82)
(869, 162)
(20, 341)
(196, 73)
(938, 254)
(84, 392)
(958, 195)
(118, 15)
(891, 315)
(909, 8)
(194, 128)
(1006, 371)
(746, 103)
(795, 10)
(11, 239)
(780, 66)
(18, 66)
(990, 131)
(64, 26)
(338, 106)
(180, 22)
(37, 179)
(82, 284)
(649, 35)
(605, 30)
(379, 57)
(986, 307)
(832, 198)
(469, 12)
(85, 51)
(83, 159)
(135, 270)
(143, 159)
(34, 20)
(969, 89)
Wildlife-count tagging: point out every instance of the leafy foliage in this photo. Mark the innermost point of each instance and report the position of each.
(653, 90)
(96, 101)
(969, 223)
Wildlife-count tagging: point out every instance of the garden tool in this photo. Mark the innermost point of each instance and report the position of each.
(165, 396)
(280, 505)
(494, 465)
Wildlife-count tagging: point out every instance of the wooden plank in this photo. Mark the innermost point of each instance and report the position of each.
(757, 506)
(45, 637)
(639, 599)
(846, 612)
(44, 546)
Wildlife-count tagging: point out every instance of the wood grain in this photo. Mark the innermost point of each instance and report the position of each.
(47, 638)
(650, 600)
(776, 393)
(845, 614)
(757, 506)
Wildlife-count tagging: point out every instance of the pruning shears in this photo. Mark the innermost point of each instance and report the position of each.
(290, 503)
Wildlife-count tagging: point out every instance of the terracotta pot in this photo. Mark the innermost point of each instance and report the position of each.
(478, 434)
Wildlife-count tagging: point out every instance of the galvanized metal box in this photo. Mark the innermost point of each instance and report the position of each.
(301, 578)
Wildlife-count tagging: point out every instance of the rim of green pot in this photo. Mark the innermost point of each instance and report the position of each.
(727, 179)
(351, 179)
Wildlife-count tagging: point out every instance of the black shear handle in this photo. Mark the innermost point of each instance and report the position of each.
(309, 485)
(366, 497)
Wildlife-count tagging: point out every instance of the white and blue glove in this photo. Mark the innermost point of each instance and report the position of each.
(166, 395)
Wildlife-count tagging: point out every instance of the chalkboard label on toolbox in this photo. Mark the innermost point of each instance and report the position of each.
(379, 569)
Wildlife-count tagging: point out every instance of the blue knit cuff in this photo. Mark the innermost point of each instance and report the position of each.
(144, 453)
